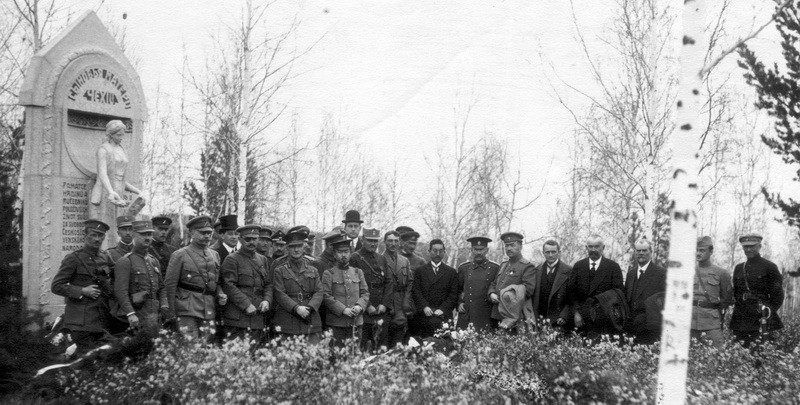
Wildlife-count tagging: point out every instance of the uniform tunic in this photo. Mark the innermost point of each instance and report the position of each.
(520, 272)
(79, 269)
(118, 251)
(296, 285)
(765, 285)
(379, 281)
(162, 252)
(247, 282)
(344, 288)
(403, 280)
(415, 261)
(474, 281)
(191, 282)
(134, 273)
(712, 293)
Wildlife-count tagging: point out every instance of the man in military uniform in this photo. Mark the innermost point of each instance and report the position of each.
(192, 282)
(160, 249)
(84, 280)
(248, 285)
(379, 282)
(125, 232)
(402, 307)
(758, 290)
(264, 245)
(435, 292)
(345, 295)
(713, 293)
(298, 292)
(550, 296)
(138, 285)
(409, 238)
(516, 271)
(327, 259)
(278, 245)
(474, 279)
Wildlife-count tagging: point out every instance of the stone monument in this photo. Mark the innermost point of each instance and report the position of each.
(74, 86)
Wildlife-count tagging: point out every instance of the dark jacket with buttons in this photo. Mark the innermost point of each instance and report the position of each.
(80, 269)
(522, 272)
(344, 288)
(764, 285)
(133, 273)
(379, 281)
(247, 281)
(474, 281)
(192, 282)
(294, 287)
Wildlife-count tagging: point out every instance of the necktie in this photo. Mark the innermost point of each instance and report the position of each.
(549, 271)
(593, 264)
(435, 270)
(641, 273)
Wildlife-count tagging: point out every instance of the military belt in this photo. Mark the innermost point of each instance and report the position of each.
(705, 304)
(195, 288)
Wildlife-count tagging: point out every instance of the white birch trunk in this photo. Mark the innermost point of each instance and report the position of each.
(244, 122)
(674, 357)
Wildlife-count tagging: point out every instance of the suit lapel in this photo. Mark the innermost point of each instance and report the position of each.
(558, 281)
(598, 275)
(644, 283)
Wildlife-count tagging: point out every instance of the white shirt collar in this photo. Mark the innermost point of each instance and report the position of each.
(596, 263)
(643, 267)
(553, 266)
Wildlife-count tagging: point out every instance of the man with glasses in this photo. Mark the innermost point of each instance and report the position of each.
(399, 270)
(435, 292)
(590, 277)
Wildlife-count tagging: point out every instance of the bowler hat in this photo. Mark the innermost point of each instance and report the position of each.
(352, 216)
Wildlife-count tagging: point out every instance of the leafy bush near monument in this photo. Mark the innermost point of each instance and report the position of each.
(543, 367)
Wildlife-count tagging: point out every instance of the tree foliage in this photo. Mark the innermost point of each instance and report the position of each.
(779, 94)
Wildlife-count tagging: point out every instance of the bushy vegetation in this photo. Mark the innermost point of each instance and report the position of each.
(467, 368)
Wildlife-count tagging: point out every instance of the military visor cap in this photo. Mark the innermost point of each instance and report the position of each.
(125, 220)
(295, 238)
(372, 234)
(510, 237)
(246, 230)
(299, 228)
(143, 226)
(479, 241)
(407, 232)
(339, 241)
(335, 232)
(200, 223)
(96, 225)
(750, 239)
(265, 231)
(161, 221)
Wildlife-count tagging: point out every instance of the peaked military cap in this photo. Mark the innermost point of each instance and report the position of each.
(296, 237)
(142, 226)
(161, 221)
(202, 223)
(299, 228)
(339, 241)
(265, 231)
(750, 239)
(509, 237)
(96, 225)
(125, 220)
(407, 232)
(372, 234)
(479, 241)
(254, 230)
(336, 231)
(277, 237)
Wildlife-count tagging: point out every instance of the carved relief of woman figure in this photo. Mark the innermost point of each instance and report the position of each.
(112, 161)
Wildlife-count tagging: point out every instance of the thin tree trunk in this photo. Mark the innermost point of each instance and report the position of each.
(674, 357)
(244, 123)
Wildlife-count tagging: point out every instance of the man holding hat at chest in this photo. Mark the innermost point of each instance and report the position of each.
(125, 232)
(758, 291)
(160, 249)
(84, 280)
(192, 282)
(516, 271)
(248, 284)
(474, 279)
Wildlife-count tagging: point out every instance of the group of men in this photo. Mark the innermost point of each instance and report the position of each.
(256, 283)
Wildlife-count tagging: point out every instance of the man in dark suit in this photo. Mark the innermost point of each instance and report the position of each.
(228, 235)
(352, 228)
(550, 293)
(592, 276)
(435, 292)
(644, 280)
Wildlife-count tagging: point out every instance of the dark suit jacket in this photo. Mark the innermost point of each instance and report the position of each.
(557, 305)
(584, 284)
(437, 292)
(222, 251)
(653, 281)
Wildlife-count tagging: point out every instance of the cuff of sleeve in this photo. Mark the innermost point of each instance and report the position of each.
(132, 313)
